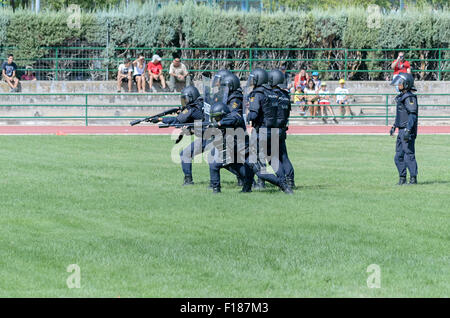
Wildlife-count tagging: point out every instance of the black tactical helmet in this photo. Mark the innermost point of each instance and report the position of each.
(189, 94)
(258, 77)
(406, 79)
(275, 77)
(223, 72)
(218, 110)
(219, 76)
(231, 81)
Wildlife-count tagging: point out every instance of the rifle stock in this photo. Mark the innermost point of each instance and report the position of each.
(150, 118)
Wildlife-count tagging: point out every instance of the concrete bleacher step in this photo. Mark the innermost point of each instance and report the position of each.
(135, 105)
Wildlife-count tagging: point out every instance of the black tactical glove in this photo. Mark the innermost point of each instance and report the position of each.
(155, 120)
(407, 135)
(392, 131)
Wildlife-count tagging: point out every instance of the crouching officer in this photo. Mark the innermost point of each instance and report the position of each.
(231, 159)
(192, 110)
(266, 111)
(406, 122)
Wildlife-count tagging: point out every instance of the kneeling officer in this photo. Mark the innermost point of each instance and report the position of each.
(230, 148)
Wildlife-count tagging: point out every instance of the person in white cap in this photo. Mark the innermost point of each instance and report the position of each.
(324, 102)
(342, 98)
(155, 72)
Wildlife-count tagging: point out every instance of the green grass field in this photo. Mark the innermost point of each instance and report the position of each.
(114, 205)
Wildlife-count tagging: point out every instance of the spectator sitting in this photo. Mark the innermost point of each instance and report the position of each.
(124, 74)
(324, 101)
(28, 76)
(299, 99)
(400, 65)
(155, 70)
(301, 79)
(311, 97)
(178, 73)
(9, 73)
(315, 78)
(139, 73)
(342, 98)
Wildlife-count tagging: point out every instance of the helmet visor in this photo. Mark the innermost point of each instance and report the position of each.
(222, 94)
(184, 100)
(251, 81)
(216, 81)
(206, 89)
(215, 85)
(398, 79)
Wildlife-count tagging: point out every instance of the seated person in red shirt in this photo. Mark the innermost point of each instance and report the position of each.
(155, 70)
(400, 65)
(28, 76)
(301, 79)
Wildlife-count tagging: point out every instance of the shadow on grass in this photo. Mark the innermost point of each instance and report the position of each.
(222, 183)
(434, 182)
(269, 187)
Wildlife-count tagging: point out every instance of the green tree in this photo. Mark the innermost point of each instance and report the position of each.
(84, 4)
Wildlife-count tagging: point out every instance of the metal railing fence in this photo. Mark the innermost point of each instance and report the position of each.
(83, 101)
(95, 63)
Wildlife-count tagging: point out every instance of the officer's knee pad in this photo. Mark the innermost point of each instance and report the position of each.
(255, 167)
(398, 156)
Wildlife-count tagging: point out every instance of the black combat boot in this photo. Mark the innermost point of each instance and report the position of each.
(260, 184)
(286, 189)
(412, 180)
(246, 188)
(290, 182)
(216, 189)
(188, 180)
(401, 181)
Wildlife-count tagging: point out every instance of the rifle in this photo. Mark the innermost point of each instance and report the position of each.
(148, 119)
(188, 127)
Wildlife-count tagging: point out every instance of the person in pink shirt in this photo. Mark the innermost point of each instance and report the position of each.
(28, 76)
(155, 71)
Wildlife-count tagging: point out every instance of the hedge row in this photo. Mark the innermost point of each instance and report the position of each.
(190, 25)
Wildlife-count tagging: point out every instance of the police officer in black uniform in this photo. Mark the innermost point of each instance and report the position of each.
(230, 94)
(223, 119)
(192, 111)
(406, 123)
(275, 78)
(268, 110)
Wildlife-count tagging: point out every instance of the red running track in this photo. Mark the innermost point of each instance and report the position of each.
(154, 130)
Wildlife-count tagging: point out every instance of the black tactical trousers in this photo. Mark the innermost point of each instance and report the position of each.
(405, 157)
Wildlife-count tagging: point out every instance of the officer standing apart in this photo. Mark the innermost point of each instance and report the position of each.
(267, 111)
(192, 111)
(406, 122)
